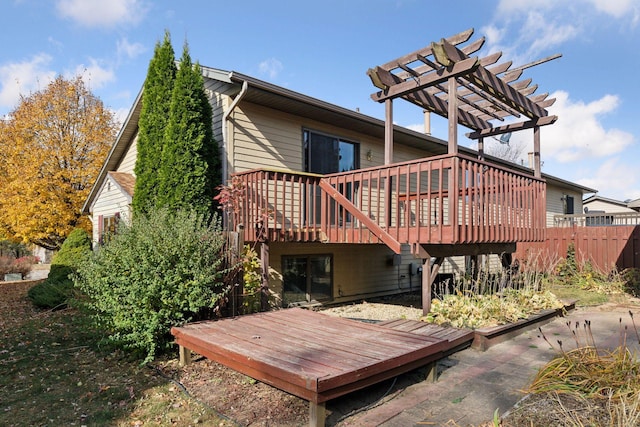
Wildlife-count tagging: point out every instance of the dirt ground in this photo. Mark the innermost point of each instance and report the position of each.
(247, 402)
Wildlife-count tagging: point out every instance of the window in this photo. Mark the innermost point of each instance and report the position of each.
(306, 278)
(326, 154)
(107, 226)
(568, 204)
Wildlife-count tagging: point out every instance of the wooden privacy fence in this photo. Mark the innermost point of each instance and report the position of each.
(605, 247)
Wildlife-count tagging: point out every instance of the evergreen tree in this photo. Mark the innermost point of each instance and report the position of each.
(154, 114)
(190, 159)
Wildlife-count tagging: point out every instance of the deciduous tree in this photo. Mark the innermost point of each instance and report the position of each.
(154, 115)
(53, 145)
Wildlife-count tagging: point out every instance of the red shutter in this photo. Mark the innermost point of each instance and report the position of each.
(100, 228)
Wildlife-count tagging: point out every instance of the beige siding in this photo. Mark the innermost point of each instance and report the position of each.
(220, 99)
(128, 162)
(599, 205)
(264, 138)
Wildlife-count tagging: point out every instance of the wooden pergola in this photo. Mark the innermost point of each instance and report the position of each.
(444, 79)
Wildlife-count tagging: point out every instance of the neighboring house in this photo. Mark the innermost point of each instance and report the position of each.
(598, 203)
(338, 222)
(602, 211)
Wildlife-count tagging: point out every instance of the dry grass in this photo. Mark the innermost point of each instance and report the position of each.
(585, 386)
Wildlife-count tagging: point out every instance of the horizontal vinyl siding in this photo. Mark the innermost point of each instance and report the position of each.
(599, 205)
(128, 162)
(265, 138)
(219, 94)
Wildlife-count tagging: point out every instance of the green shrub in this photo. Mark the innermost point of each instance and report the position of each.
(164, 269)
(58, 288)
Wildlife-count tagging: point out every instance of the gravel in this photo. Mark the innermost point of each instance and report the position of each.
(401, 307)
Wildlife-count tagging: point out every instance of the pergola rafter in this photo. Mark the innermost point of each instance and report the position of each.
(445, 79)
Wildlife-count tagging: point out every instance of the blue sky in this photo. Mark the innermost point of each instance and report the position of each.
(324, 48)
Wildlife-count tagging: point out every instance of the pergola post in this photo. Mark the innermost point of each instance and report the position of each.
(481, 148)
(388, 131)
(537, 172)
(453, 115)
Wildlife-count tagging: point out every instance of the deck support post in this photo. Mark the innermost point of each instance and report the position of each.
(317, 414)
(264, 288)
(426, 286)
(429, 274)
(432, 372)
(185, 355)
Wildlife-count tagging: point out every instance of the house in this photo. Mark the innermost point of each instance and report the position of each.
(603, 211)
(597, 203)
(347, 206)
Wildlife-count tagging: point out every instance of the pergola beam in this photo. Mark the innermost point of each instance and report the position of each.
(399, 89)
(512, 127)
(413, 56)
(440, 107)
(494, 85)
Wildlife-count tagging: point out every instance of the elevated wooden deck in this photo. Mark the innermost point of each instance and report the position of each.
(312, 355)
(444, 200)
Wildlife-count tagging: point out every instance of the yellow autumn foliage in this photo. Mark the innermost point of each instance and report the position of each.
(52, 147)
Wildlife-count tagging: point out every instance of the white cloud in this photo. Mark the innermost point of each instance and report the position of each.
(417, 128)
(94, 75)
(614, 179)
(616, 8)
(493, 34)
(539, 33)
(100, 13)
(271, 67)
(23, 78)
(120, 115)
(509, 7)
(129, 50)
(578, 134)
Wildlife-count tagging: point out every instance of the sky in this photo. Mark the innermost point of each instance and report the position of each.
(324, 48)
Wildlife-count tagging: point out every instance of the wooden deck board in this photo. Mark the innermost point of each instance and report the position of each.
(454, 336)
(311, 355)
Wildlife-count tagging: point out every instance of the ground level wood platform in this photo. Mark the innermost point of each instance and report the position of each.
(312, 355)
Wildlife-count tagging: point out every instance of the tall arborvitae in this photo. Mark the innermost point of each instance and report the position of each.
(190, 159)
(154, 115)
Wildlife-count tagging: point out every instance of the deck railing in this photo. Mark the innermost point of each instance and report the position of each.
(597, 219)
(444, 199)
